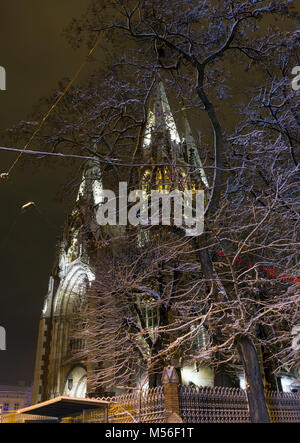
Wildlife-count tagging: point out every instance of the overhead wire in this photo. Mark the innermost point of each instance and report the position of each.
(5, 175)
(111, 161)
(42, 153)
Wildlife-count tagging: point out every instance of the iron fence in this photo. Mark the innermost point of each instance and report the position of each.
(144, 406)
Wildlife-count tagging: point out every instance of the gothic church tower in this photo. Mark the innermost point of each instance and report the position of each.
(57, 372)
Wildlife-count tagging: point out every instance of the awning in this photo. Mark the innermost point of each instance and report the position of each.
(64, 407)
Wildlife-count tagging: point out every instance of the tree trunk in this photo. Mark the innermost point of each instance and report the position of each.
(272, 382)
(254, 386)
(157, 365)
(154, 375)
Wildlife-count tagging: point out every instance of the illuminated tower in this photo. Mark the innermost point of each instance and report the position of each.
(171, 162)
(56, 371)
(175, 158)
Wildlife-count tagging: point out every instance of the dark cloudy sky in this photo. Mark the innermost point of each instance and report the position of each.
(36, 56)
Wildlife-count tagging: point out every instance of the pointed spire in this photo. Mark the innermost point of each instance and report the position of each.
(91, 182)
(161, 134)
(192, 151)
(167, 114)
(160, 118)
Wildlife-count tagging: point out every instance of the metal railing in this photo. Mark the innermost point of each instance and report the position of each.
(144, 406)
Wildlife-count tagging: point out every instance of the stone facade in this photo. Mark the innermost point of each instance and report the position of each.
(59, 369)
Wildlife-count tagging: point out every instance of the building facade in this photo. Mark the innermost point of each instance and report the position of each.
(59, 369)
(14, 397)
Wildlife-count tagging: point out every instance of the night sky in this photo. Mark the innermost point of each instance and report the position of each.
(36, 57)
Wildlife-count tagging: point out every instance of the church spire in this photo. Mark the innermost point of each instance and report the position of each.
(161, 133)
(162, 142)
(192, 151)
(91, 182)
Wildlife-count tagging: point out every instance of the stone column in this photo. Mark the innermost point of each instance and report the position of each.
(172, 403)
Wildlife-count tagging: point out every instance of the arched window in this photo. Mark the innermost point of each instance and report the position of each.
(75, 383)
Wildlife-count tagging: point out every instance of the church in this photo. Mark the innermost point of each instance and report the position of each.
(63, 365)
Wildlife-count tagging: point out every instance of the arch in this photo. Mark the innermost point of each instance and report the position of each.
(72, 288)
(68, 300)
(76, 382)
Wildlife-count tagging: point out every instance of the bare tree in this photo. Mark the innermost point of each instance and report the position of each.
(230, 278)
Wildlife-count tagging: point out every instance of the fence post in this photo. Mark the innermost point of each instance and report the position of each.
(171, 393)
